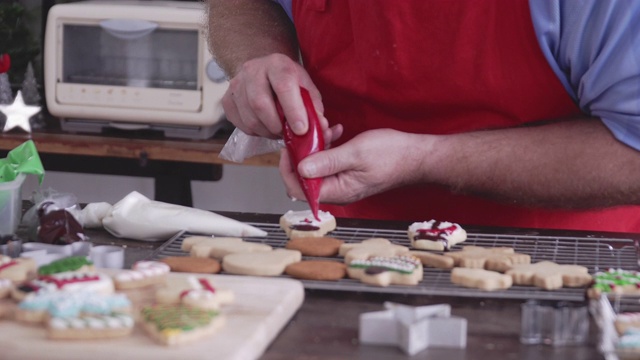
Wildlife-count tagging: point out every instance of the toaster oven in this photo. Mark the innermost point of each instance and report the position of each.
(132, 65)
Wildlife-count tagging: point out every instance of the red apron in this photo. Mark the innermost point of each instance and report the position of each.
(438, 67)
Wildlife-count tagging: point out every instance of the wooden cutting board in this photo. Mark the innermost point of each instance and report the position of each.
(262, 307)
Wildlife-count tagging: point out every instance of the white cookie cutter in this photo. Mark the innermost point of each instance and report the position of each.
(102, 256)
(413, 329)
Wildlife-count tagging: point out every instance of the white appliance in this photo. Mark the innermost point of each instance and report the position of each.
(132, 65)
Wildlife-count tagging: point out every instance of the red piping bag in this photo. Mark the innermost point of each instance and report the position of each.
(301, 146)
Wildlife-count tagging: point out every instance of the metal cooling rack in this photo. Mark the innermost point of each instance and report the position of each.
(595, 253)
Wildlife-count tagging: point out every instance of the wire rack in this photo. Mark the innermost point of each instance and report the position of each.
(596, 253)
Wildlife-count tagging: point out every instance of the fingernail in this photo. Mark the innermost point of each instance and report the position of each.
(308, 169)
(298, 127)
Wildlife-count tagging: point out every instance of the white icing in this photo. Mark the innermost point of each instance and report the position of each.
(429, 225)
(5, 283)
(99, 322)
(142, 270)
(306, 217)
(399, 263)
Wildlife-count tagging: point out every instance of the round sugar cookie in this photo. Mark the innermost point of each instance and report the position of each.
(315, 246)
(192, 264)
(317, 270)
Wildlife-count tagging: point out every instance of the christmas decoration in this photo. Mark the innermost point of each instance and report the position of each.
(16, 38)
(30, 93)
(6, 96)
(18, 114)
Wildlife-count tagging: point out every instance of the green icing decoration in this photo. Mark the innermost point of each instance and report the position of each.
(71, 263)
(609, 280)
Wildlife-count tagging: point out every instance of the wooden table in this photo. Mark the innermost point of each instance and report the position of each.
(326, 326)
(173, 163)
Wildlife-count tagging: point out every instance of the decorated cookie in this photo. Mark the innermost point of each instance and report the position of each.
(59, 304)
(5, 287)
(615, 281)
(271, 263)
(628, 345)
(315, 246)
(386, 270)
(218, 248)
(90, 327)
(72, 263)
(317, 270)
(17, 270)
(192, 264)
(481, 279)
(549, 275)
(370, 247)
(303, 224)
(142, 273)
(497, 259)
(179, 324)
(194, 291)
(626, 321)
(67, 282)
(430, 259)
(435, 235)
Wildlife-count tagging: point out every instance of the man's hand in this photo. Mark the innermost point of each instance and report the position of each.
(370, 163)
(249, 103)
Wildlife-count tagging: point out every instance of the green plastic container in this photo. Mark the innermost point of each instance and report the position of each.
(11, 205)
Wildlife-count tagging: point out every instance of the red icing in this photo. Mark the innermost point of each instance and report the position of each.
(435, 232)
(62, 282)
(205, 284)
(301, 146)
(9, 264)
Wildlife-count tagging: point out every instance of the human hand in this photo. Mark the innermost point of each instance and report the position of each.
(370, 163)
(249, 102)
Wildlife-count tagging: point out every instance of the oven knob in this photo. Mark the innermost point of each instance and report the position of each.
(215, 72)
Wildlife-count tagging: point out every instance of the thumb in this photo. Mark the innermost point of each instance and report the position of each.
(325, 163)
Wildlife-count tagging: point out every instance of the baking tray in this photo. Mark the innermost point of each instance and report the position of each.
(596, 253)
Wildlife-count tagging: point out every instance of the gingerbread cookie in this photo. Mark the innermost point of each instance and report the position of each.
(481, 279)
(386, 270)
(194, 291)
(218, 248)
(271, 263)
(317, 270)
(315, 246)
(178, 324)
(496, 259)
(549, 275)
(370, 247)
(71, 263)
(142, 273)
(17, 270)
(192, 264)
(435, 235)
(429, 259)
(90, 327)
(303, 224)
(615, 281)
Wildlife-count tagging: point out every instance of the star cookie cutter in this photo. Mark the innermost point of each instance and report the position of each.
(413, 329)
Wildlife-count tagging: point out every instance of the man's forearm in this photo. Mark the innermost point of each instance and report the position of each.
(240, 30)
(572, 164)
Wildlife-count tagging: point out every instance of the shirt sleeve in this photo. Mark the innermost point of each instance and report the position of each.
(593, 46)
(286, 5)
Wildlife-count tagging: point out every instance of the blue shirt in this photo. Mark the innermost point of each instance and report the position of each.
(593, 46)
